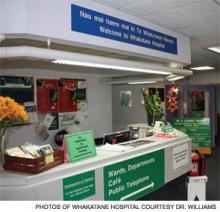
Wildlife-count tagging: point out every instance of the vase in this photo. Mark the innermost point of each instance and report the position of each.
(2, 150)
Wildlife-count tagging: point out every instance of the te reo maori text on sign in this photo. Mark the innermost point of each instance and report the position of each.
(127, 27)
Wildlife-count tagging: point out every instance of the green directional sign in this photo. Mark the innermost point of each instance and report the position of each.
(198, 129)
(134, 178)
(79, 187)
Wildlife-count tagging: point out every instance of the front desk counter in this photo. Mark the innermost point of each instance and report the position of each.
(127, 175)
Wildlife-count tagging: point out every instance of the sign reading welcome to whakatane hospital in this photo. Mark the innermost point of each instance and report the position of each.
(98, 24)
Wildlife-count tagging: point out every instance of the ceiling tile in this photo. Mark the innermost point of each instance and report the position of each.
(180, 3)
(133, 11)
(175, 14)
(109, 3)
(187, 22)
(198, 10)
(120, 4)
(131, 3)
(153, 7)
(198, 30)
(163, 23)
(208, 38)
(168, 20)
(211, 18)
(167, 24)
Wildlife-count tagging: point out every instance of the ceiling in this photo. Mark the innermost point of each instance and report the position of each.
(199, 19)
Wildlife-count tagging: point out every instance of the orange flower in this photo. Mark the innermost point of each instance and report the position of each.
(9, 109)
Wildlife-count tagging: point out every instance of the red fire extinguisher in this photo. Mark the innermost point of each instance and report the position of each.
(114, 141)
(198, 164)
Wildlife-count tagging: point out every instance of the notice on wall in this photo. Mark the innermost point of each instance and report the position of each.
(134, 178)
(180, 156)
(66, 119)
(198, 129)
(94, 23)
(48, 120)
(81, 90)
(82, 106)
(67, 95)
(82, 99)
(47, 95)
(21, 89)
(55, 122)
(126, 99)
(80, 145)
(79, 187)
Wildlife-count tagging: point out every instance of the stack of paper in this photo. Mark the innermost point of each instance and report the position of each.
(113, 148)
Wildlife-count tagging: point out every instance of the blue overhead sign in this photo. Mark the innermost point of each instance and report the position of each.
(91, 22)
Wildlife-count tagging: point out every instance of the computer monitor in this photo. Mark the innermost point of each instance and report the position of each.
(117, 137)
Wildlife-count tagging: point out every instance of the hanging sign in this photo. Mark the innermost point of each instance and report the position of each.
(198, 129)
(99, 24)
(134, 178)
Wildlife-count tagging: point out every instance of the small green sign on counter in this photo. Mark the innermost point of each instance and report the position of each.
(134, 178)
(198, 129)
(79, 187)
(80, 145)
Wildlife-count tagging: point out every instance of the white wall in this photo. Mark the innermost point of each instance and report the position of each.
(121, 117)
(99, 106)
(207, 77)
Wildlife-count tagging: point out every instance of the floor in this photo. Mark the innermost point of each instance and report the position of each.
(213, 169)
(213, 173)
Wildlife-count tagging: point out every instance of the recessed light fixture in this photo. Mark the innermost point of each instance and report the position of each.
(141, 82)
(174, 65)
(98, 65)
(215, 49)
(202, 68)
(175, 78)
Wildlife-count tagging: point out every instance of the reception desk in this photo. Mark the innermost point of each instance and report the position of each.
(147, 166)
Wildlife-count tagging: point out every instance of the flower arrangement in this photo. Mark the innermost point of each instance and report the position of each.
(10, 112)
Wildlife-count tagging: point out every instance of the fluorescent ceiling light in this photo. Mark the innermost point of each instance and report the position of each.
(141, 82)
(176, 78)
(201, 68)
(98, 65)
(171, 76)
(215, 49)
